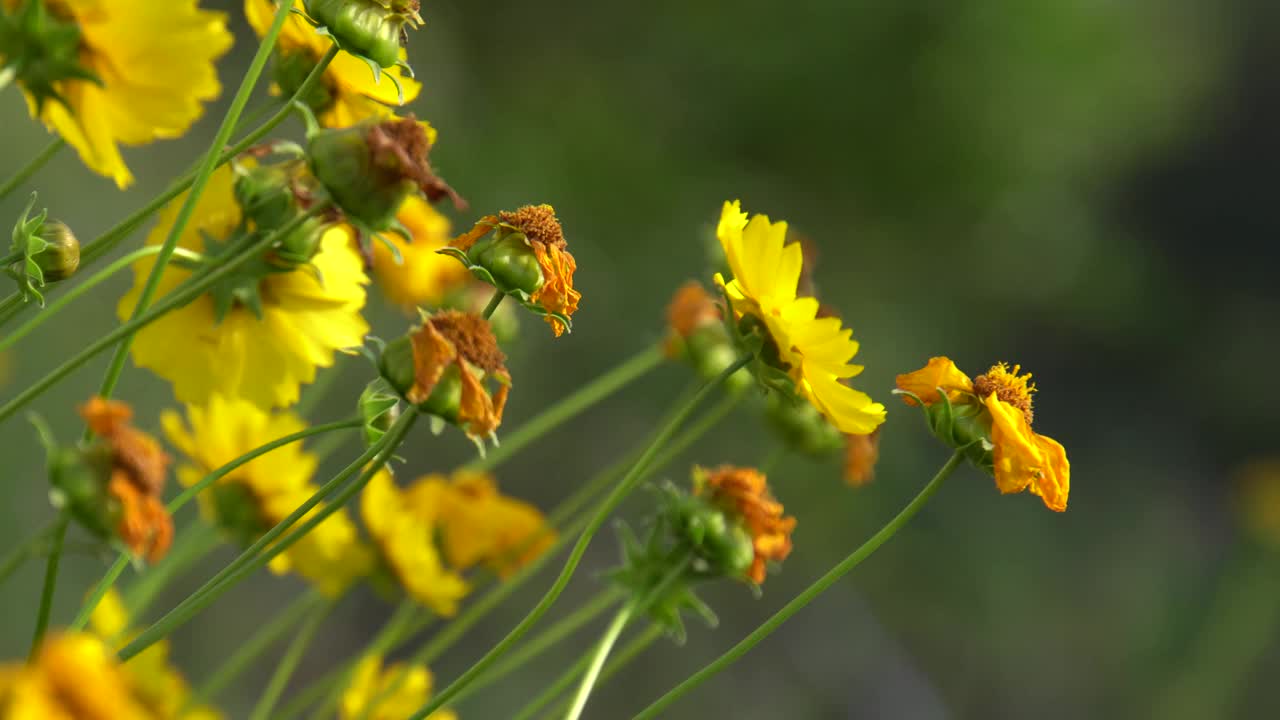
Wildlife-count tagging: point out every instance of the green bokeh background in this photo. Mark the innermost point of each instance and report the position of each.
(1083, 187)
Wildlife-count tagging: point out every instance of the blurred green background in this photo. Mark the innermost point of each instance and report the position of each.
(1083, 187)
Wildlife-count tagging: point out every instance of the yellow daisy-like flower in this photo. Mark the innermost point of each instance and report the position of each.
(261, 493)
(423, 277)
(813, 349)
(407, 541)
(407, 688)
(155, 59)
(351, 93)
(1021, 459)
(152, 678)
(478, 524)
(75, 676)
(262, 360)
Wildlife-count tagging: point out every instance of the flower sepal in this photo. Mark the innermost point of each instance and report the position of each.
(371, 29)
(484, 275)
(45, 252)
(658, 576)
(42, 51)
(960, 425)
(379, 406)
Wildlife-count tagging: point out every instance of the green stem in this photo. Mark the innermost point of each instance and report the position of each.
(567, 408)
(50, 583)
(198, 185)
(84, 287)
(603, 648)
(265, 636)
(807, 596)
(25, 551)
(494, 302)
(10, 259)
(289, 662)
(271, 544)
(606, 508)
(628, 653)
(195, 545)
(32, 167)
(183, 498)
(180, 296)
(545, 641)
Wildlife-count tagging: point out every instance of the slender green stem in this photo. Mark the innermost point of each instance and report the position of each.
(32, 167)
(50, 583)
(603, 648)
(80, 289)
(180, 296)
(271, 543)
(198, 185)
(33, 546)
(380, 645)
(289, 662)
(194, 545)
(10, 306)
(804, 598)
(494, 302)
(10, 259)
(564, 410)
(186, 495)
(628, 653)
(546, 640)
(606, 508)
(262, 639)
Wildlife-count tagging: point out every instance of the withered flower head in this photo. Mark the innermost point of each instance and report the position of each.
(745, 493)
(399, 148)
(861, 454)
(692, 308)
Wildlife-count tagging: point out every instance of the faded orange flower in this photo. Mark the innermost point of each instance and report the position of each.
(860, 457)
(745, 493)
(463, 345)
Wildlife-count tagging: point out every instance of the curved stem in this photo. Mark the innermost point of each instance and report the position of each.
(180, 296)
(81, 288)
(32, 167)
(271, 543)
(807, 596)
(198, 185)
(50, 583)
(195, 545)
(628, 653)
(289, 662)
(569, 407)
(25, 551)
(176, 504)
(606, 508)
(601, 654)
(494, 302)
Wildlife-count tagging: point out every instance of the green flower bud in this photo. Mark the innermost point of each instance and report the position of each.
(726, 546)
(265, 195)
(367, 27)
(43, 51)
(79, 485)
(511, 261)
(395, 365)
(802, 427)
(298, 247)
(966, 425)
(60, 258)
(379, 406)
(291, 69)
(710, 350)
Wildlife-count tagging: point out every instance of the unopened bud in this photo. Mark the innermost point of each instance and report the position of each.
(367, 27)
(511, 261)
(60, 259)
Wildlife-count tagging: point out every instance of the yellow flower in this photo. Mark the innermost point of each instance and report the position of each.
(155, 59)
(478, 524)
(153, 680)
(812, 348)
(406, 689)
(261, 493)
(744, 492)
(262, 360)
(407, 541)
(75, 676)
(351, 93)
(1021, 459)
(423, 278)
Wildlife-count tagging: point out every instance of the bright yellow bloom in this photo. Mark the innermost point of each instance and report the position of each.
(262, 360)
(814, 349)
(1022, 460)
(478, 524)
(412, 689)
(155, 59)
(407, 541)
(75, 677)
(424, 277)
(275, 484)
(153, 680)
(352, 91)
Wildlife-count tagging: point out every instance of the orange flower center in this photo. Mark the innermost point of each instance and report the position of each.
(538, 223)
(473, 338)
(1008, 387)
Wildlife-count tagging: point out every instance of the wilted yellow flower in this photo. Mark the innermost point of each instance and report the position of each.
(1021, 459)
(407, 541)
(813, 349)
(412, 689)
(154, 59)
(75, 676)
(264, 491)
(744, 492)
(305, 317)
(348, 92)
(423, 277)
(478, 524)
